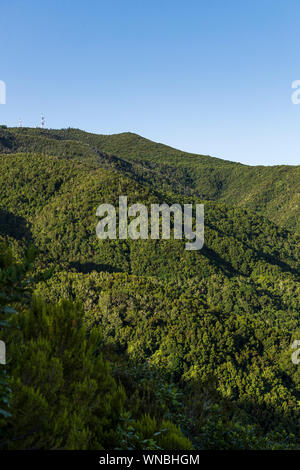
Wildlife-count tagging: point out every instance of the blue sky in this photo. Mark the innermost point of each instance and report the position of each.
(206, 76)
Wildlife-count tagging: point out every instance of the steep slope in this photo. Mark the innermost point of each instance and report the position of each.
(272, 191)
(222, 318)
(57, 198)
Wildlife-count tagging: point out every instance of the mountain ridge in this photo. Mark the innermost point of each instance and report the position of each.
(270, 190)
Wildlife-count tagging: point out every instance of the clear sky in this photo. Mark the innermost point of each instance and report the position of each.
(206, 76)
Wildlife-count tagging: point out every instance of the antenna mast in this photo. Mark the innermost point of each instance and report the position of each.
(20, 123)
(43, 121)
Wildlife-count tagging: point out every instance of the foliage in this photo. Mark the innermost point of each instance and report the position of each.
(272, 191)
(14, 288)
(142, 344)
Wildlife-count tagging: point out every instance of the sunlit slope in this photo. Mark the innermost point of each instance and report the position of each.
(225, 315)
(53, 201)
(271, 191)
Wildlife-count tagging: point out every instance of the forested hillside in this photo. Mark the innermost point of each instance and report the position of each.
(271, 191)
(141, 344)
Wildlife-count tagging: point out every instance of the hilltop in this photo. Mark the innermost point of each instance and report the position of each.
(272, 191)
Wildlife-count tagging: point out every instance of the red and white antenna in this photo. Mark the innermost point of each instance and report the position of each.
(20, 123)
(43, 121)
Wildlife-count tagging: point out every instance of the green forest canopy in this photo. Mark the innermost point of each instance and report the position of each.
(191, 349)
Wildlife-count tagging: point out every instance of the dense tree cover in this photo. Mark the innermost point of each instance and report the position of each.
(54, 200)
(217, 328)
(273, 191)
(58, 391)
(65, 393)
(14, 289)
(142, 344)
